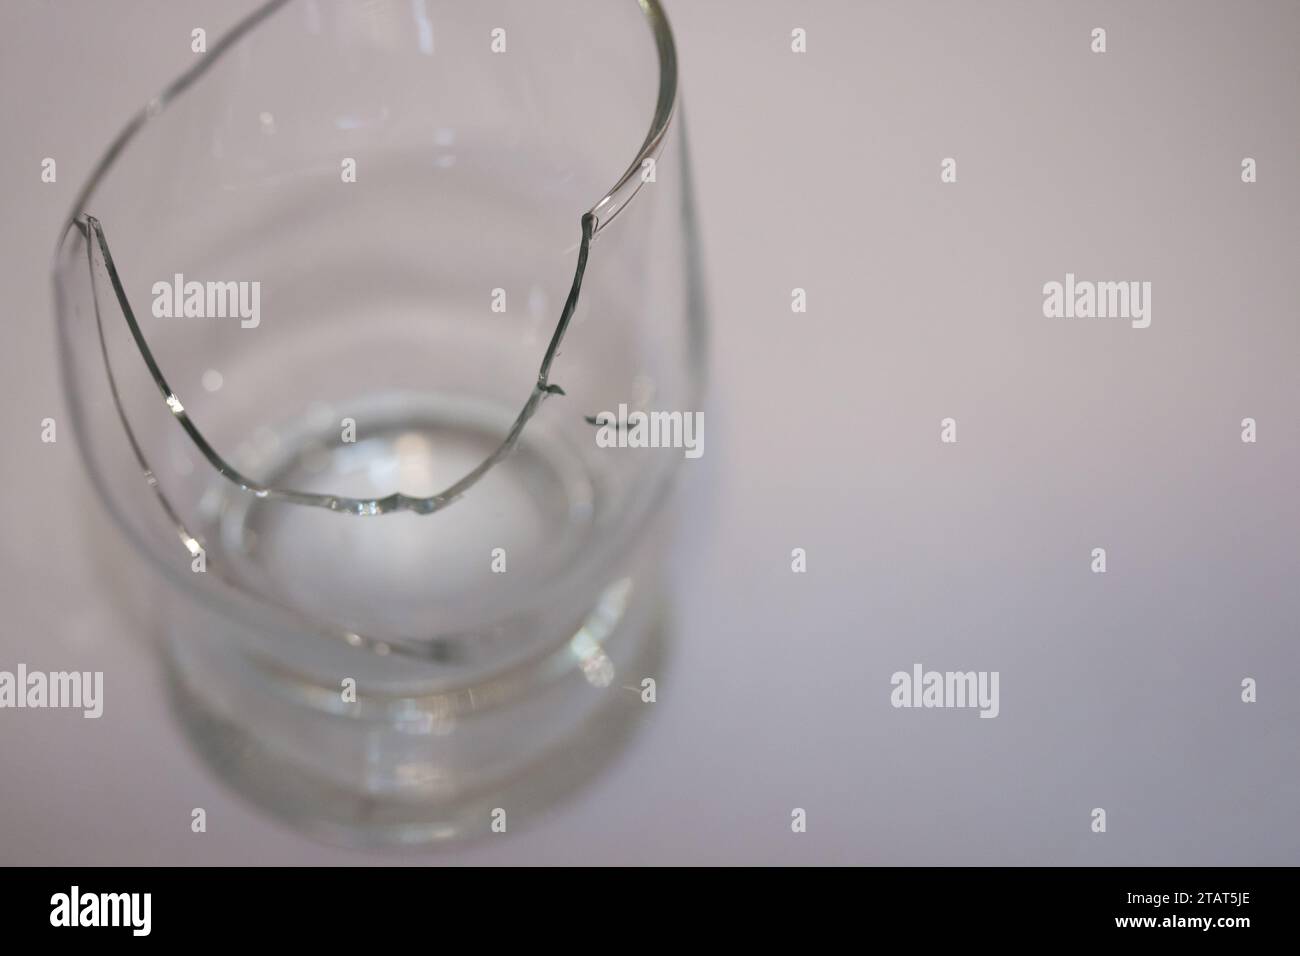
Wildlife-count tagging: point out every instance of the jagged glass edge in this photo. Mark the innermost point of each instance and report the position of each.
(94, 233)
(499, 691)
(599, 216)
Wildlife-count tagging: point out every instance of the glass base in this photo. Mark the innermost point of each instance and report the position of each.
(403, 777)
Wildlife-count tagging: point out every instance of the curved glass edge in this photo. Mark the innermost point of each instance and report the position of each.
(600, 215)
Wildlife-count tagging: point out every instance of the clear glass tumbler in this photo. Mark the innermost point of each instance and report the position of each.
(343, 315)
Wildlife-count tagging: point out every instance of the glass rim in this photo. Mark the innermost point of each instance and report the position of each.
(602, 212)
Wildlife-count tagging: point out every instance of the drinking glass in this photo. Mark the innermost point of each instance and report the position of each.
(343, 314)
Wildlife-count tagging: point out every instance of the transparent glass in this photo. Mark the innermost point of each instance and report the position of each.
(342, 314)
